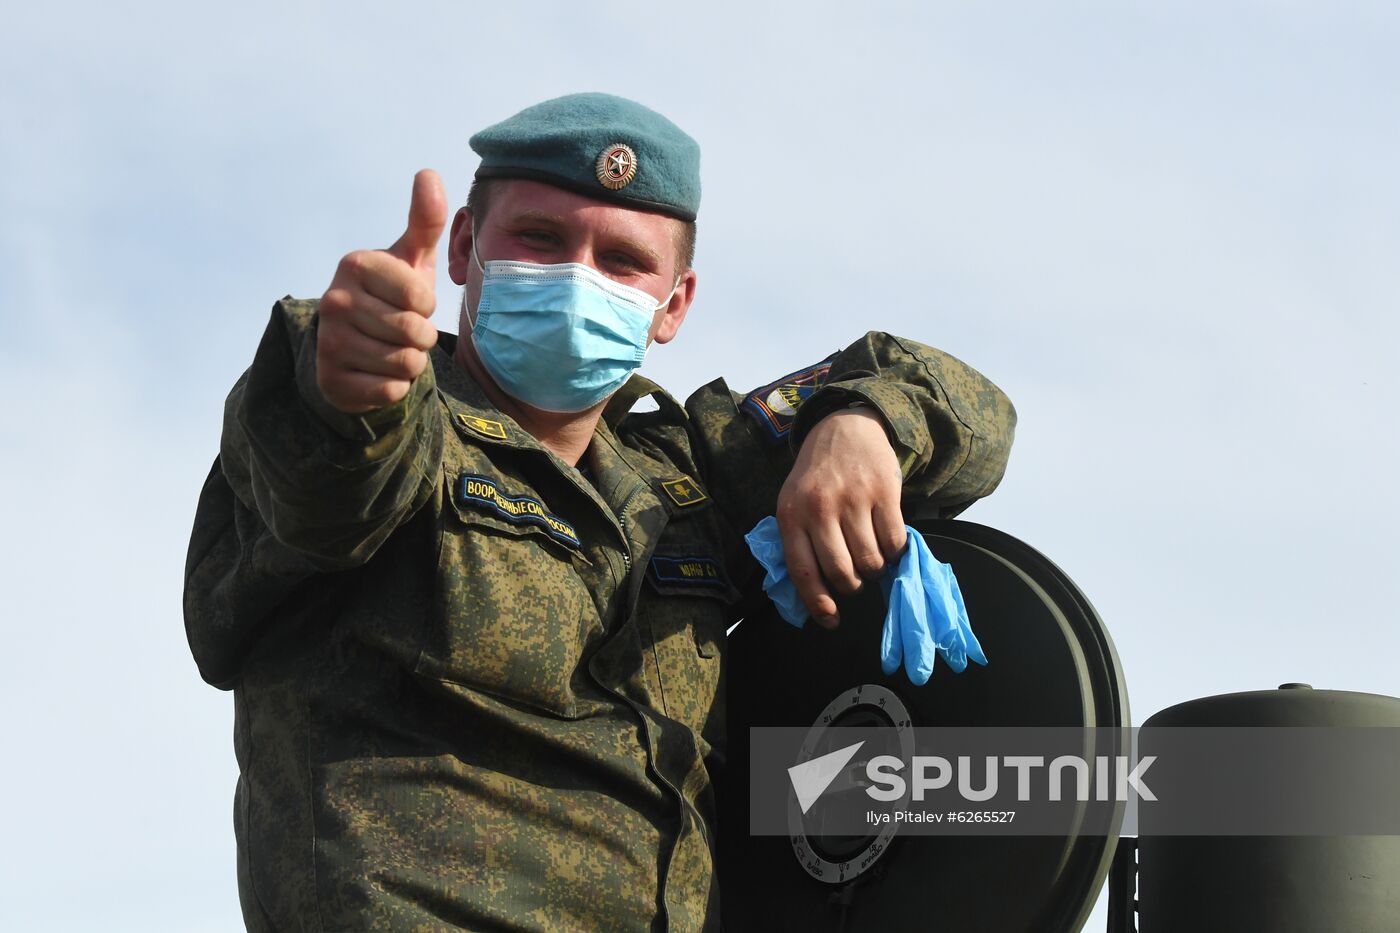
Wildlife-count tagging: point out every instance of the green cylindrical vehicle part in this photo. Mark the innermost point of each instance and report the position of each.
(1272, 884)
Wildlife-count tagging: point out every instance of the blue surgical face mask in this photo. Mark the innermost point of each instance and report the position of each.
(559, 337)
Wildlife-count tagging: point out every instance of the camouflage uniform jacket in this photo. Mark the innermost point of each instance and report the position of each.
(476, 687)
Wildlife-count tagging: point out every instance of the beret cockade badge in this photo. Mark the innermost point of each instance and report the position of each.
(617, 166)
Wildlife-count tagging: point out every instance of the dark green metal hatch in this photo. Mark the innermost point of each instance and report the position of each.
(1051, 664)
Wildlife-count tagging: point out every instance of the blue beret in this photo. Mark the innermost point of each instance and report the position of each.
(605, 147)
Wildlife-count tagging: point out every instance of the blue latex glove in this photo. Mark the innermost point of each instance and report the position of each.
(924, 617)
(766, 543)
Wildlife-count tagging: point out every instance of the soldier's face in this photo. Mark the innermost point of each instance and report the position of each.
(534, 222)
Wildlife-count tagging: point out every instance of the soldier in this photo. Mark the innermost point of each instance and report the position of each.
(473, 608)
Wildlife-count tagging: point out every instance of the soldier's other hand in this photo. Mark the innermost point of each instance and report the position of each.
(839, 510)
(374, 335)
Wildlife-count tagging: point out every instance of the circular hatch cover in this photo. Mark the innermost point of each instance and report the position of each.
(1051, 664)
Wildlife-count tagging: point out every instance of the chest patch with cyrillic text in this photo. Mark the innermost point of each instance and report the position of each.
(481, 492)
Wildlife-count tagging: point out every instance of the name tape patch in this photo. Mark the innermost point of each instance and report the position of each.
(775, 405)
(482, 491)
(687, 571)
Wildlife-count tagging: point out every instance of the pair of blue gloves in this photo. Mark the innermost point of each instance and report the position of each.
(925, 617)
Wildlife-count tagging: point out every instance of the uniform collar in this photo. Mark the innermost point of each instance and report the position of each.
(470, 408)
(635, 388)
(618, 470)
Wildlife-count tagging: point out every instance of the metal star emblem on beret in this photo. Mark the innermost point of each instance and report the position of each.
(617, 166)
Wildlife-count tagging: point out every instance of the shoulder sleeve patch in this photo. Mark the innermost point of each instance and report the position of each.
(775, 405)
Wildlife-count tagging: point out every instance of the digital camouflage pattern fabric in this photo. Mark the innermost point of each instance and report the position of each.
(477, 687)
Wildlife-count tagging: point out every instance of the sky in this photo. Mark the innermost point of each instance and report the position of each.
(1167, 231)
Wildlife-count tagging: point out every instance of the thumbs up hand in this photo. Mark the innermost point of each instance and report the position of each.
(374, 334)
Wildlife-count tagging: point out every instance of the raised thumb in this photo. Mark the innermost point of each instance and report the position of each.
(427, 215)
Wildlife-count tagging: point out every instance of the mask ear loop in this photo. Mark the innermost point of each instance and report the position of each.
(475, 258)
(675, 288)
